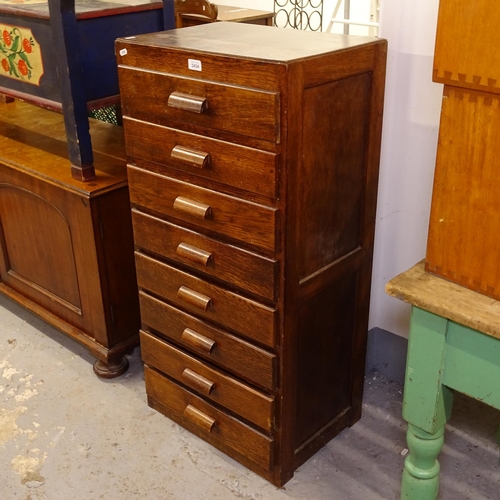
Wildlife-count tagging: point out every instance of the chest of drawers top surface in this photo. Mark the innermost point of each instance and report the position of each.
(244, 41)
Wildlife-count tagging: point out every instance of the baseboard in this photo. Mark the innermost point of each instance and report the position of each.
(386, 353)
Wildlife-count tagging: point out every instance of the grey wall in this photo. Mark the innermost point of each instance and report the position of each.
(386, 353)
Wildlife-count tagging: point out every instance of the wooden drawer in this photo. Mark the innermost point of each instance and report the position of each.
(217, 346)
(208, 422)
(245, 168)
(210, 383)
(228, 263)
(255, 224)
(169, 98)
(245, 316)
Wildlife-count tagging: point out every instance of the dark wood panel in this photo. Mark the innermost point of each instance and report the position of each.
(340, 65)
(115, 252)
(325, 341)
(333, 171)
(34, 230)
(66, 215)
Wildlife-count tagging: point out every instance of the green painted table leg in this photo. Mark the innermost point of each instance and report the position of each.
(421, 470)
(443, 356)
(426, 406)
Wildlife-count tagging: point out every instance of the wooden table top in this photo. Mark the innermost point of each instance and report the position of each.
(446, 299)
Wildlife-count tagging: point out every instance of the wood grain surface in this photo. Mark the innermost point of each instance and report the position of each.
(464, 223)
(437, 295)
(465, 30)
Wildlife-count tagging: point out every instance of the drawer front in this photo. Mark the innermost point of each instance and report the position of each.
(249, 222)
(216, 346)
(208, 382)
(208, 422)
(228, 263)
(239, 110)
(249, 169)
(250, 318)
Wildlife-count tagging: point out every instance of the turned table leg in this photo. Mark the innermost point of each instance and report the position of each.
(421, 470)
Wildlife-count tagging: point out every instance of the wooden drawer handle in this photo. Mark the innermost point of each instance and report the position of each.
(190, 157)
(198, 381)
(188, 102)
(198, 340)
(199, 418)
(194, 298)
(194, 254)
(191, 207)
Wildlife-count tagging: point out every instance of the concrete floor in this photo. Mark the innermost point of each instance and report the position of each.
(65, 434)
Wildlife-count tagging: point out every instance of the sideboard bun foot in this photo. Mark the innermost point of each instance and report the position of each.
(111, 369)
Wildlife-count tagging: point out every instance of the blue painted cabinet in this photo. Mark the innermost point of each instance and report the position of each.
(59, 54)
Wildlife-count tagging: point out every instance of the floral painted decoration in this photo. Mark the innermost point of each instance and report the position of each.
(15, 50)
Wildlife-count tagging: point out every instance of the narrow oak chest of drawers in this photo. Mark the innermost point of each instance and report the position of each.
(253, 169)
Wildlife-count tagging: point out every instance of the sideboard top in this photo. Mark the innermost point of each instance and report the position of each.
(33, 139)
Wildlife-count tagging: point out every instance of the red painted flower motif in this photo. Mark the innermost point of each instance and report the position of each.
(23, 68)
(15, 50)
(27, 46)
(7, 38)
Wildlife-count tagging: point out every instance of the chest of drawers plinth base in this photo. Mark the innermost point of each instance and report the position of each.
(253, 167)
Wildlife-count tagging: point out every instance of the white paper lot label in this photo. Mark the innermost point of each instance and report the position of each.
(194, 64)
